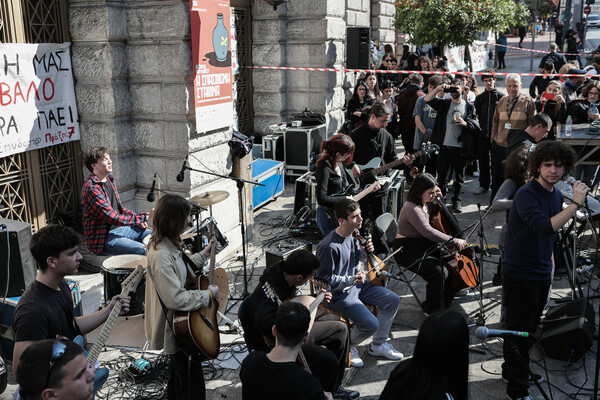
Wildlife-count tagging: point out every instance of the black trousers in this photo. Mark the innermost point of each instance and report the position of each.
(186, 379)
(483, 156)
(328, 362)
(498, 156)
(501, 63)
(452, 159)
(524, 302)
(428, 268)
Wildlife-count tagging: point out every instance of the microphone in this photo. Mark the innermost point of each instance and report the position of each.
(482, 332)
(151, 196)
(183, 167)
(570, 180)
(389, 275)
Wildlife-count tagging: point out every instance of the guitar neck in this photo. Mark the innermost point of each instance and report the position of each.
(383, 168)
(313, 306)
(105, 332)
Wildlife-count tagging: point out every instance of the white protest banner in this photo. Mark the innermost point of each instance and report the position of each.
(479, 56)
(37, 97)
(455, 56)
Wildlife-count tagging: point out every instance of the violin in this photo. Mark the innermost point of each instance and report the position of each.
(375, 265)
(462, 266)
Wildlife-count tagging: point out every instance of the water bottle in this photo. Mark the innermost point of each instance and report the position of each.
(569, 127)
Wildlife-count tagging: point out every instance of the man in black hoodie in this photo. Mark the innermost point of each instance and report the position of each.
(538, 128)
(327, 349)
(485, 105)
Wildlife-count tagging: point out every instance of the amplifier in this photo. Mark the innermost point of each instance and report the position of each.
(305, 195)
(396, 195)
(283, 249)
(16, 260)
(302, 147)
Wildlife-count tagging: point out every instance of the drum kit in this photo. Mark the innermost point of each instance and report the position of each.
(117, 268)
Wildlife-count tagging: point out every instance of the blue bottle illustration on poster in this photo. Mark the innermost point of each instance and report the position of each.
(220, 39)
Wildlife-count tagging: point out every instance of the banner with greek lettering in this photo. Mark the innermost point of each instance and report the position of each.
(37, 97)
(479, 56)
(212, 58)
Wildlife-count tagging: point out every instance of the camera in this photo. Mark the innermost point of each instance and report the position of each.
(451, 89)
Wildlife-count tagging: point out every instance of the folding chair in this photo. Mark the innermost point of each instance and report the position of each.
(388, 227)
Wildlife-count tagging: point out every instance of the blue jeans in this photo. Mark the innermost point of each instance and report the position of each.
(323, 221)
(352, 305)
(126, 240)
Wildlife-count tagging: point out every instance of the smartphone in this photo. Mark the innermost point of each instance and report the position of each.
(451, 89)
(549, 96)
(594, 108)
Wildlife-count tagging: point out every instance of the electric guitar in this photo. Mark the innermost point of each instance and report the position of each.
(369, 171)
(197, 331)
(130, 284)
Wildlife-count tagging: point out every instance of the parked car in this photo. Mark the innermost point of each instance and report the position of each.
(593, 21)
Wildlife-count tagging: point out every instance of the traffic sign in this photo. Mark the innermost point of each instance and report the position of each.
(587, 10)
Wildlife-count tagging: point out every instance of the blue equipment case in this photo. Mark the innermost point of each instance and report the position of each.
(271, 174)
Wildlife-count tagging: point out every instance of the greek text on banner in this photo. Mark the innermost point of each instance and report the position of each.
(37, 97)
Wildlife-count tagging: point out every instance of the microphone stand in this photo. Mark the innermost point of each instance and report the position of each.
(480, 320)
(240, 186)
(513, 347)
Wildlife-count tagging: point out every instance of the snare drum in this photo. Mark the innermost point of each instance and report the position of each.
(115, 270)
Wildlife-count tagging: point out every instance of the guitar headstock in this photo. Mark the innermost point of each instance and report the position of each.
(131, 282)
(270, 293)
(321, 283)
(428, 148)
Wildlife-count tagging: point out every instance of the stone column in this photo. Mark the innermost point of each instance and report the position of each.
(301, 33)
(382, 22)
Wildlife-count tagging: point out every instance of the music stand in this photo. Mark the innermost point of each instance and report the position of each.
(240, 186)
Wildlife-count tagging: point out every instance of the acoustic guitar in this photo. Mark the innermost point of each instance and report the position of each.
(197, 331)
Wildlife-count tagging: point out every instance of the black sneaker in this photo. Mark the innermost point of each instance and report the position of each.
(346, 394)
(456, 207)
(532, 379)
(496, 280)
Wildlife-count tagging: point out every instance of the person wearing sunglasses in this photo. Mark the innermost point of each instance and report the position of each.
(55, 369)
(46, 308)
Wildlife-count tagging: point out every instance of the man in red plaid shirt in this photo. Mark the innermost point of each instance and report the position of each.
(109, 228)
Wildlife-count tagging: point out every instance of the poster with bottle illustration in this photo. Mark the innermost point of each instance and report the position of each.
(211, 54)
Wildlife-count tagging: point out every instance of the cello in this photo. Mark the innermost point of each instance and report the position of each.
(462, 266)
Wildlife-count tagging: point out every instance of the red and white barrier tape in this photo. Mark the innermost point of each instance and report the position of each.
(537, 51)
(412, 72)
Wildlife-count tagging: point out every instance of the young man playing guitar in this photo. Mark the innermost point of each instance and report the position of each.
(373, 140)
(45, 310)
(166, 293)
(327, 348)
(276, 375)
(339, 255)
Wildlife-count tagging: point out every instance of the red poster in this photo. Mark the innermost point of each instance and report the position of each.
(211, 52)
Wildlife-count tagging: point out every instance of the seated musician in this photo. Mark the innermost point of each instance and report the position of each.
(339, 254)
(327, 348)
(275, 375)
(416, 236)
(331, 180)
(167, 272)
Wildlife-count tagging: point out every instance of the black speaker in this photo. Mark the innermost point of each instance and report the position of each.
(358, 47)
(302, 147)
(14, 249)
(568, 330)
(283, 249)
(305, 194)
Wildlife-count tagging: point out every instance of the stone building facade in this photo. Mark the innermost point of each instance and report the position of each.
(132, 63)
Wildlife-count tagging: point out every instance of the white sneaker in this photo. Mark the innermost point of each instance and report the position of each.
(355, 360)
(385, 350)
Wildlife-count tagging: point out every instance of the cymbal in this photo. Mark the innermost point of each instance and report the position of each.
(210, 198)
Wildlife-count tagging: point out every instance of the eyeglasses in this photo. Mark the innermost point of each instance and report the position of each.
(593, 93)
(388, 60)
(58, 351)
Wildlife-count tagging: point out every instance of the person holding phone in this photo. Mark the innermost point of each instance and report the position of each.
(553, 104)
(585, 109)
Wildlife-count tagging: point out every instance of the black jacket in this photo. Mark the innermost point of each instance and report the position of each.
(485, 105)
(578, 110)
(517, 138)
(539, 84)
